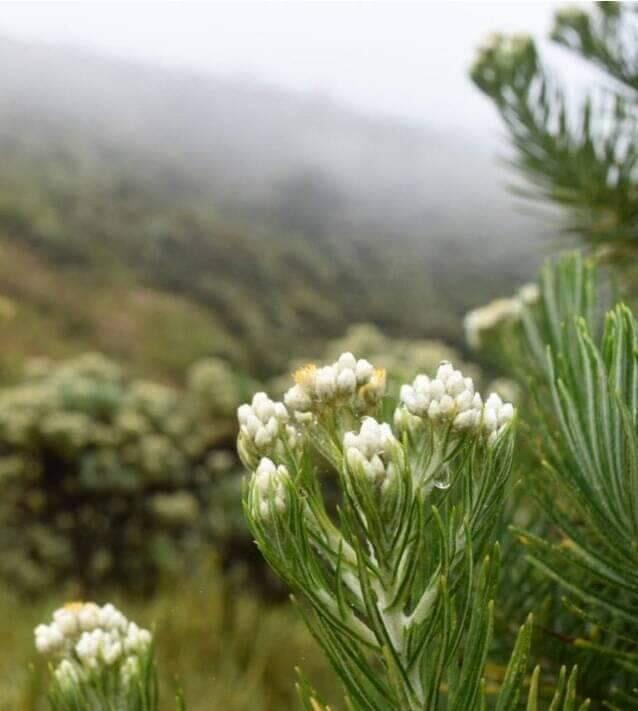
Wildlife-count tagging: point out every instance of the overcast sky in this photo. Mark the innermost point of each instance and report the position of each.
(406, 59)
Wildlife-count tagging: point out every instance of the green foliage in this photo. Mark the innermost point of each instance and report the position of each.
(587, 482)
(107, 479)
(582, 158)
(575, 355)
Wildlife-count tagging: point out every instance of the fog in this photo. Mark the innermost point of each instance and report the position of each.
(409, 60)
(349, 134)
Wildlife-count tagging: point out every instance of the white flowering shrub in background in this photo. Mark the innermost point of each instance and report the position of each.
(481, 322)
(397, 580)
(99, 660)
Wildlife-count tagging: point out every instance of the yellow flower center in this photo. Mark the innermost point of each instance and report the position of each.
(305, 376)
(74, 606)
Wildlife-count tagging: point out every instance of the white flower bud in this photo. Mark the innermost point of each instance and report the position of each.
(88, 647)
(376, 468)
(272, 427)
(464, 400)
(363, 371)
(346, 361)
(263, 438)
(281, 413)
(253, 424)
(437, 389)
(263, 406)
(496, 416)
(506, 413)
(455, 384)
(350, 439)
(111, 652)
(346, 381)
(372, 451)
(243, 413)
(269, 485)
(137, 639)
(112, 619)
(490, 420)
(446, 405)
(89, 616)
(48, 639)
(408, 396)
(466, 420)
(444, 371)
(326, 382)
(297, 399)
(66, 621)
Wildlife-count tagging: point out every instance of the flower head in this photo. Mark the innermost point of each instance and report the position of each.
(269, 491)
(374, 452)
(89, 639)
(448, 397)
(260, 426)
(497, 415)
(498, 312)
(347, 379)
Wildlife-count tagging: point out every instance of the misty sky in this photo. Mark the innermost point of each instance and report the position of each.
(406, 59)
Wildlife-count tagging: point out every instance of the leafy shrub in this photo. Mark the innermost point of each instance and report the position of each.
(104, 478)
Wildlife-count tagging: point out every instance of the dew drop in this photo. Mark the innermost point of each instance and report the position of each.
(443, 482)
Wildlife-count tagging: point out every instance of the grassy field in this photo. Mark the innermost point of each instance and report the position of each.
(226, 649)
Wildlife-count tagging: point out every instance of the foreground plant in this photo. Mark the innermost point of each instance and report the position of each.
(588, 481)
(398, 574)
(99, 659)
(578, 355)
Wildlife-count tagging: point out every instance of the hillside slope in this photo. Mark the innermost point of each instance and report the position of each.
(259, 220)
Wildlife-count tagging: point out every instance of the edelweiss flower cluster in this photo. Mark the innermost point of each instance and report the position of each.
(344, 379)
(451, 397)
(85, 636)
(269, 488)
(492, 315)
(262, 421)
(374, 451)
